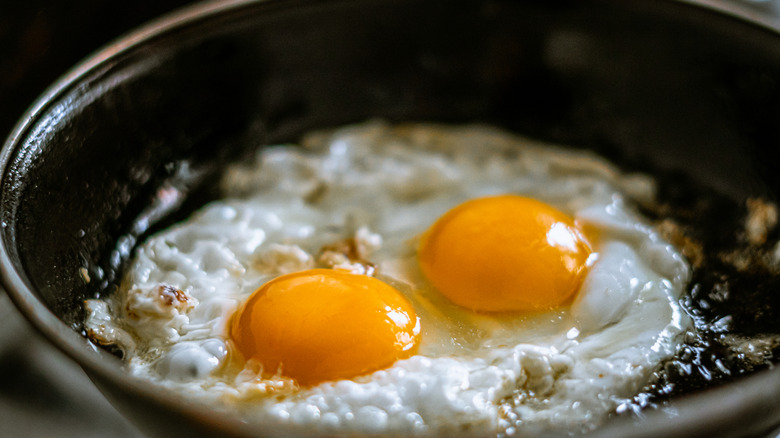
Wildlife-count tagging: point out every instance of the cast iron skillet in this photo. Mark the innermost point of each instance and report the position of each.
(134, 137)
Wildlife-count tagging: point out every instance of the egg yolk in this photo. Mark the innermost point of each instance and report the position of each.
(322, 324)
(505, 253)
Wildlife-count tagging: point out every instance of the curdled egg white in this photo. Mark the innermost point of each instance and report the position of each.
(379, 187)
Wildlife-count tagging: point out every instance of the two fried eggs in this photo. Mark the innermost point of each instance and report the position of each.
(407, 279)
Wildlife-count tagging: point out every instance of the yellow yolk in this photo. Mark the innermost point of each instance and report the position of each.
(505, 253)
(324, 324)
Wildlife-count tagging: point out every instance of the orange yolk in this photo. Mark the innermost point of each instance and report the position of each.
(505, 253)
(323, 324)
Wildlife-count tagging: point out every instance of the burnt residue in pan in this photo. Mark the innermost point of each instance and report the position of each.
(734, 294)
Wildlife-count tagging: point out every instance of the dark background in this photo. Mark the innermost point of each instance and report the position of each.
(41, 39)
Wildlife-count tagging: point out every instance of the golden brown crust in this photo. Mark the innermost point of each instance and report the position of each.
(676, 235)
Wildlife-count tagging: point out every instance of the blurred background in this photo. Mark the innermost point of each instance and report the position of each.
(42, 393)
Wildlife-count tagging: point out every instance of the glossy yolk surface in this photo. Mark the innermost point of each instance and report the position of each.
(505, 253)
(324, 324)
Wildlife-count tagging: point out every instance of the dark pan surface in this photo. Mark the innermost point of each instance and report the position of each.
(133, 139)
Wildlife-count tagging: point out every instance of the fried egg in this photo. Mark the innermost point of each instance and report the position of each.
(407, 279)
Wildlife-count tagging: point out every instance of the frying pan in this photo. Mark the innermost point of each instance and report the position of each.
(133, 138)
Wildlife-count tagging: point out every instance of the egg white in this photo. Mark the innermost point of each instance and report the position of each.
(382, 186)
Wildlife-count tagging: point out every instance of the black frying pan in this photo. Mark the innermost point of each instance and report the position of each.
(687, 93)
